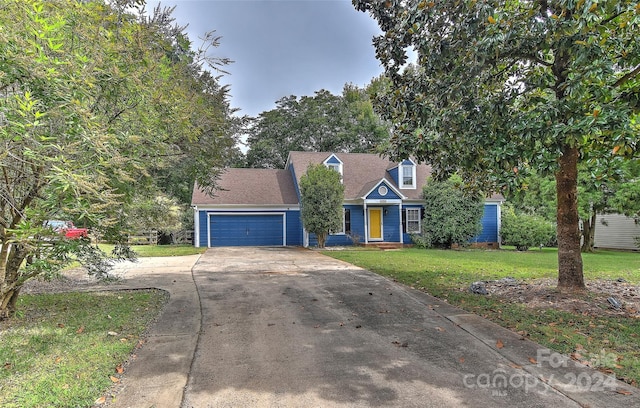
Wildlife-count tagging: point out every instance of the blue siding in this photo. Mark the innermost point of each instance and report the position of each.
(267, 229)
(357, 222)
(391, 224)
(332, 240)
(394, 175)
(391, 227)
(489, 224)
(294, 228)
(391, 195)
(204, 228)
(357, 230)
(295, 182)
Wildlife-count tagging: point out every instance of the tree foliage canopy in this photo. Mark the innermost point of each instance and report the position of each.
(322, 123)
(603, 187)
(627, 195)
(321, 198)
(503, 87)
(93, 100)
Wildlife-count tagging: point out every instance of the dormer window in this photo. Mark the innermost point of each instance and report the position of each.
(334, 164)
(335, 167)
(407, 175)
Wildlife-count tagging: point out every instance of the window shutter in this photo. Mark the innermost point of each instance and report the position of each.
(404, 221)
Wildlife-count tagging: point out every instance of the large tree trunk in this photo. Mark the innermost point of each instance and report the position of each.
(322, 239)
(570, 275)
(589, 233)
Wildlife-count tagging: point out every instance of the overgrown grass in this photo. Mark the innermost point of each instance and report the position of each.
(610, 343)
(159, 250)
(61, 350)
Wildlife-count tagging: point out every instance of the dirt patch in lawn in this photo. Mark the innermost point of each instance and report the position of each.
(71, 280)
(602, 298)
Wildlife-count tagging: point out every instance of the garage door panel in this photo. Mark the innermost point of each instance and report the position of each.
(246, 230)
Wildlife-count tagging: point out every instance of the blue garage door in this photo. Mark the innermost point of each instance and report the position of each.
(246, 230)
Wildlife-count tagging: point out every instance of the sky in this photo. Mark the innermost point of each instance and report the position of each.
(283, 47)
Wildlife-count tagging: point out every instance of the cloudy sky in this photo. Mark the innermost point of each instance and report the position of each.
(283, 47)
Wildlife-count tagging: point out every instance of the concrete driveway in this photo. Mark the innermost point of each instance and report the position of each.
(285, 327)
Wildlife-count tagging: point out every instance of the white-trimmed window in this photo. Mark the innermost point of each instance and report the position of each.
(334, 164)
(408, 176)
(413, 220)
(346, 222)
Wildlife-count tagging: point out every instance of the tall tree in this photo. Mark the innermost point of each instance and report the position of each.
(90, 105)
(323, 122)
(321, 198)
(503, 87)
(190, 108)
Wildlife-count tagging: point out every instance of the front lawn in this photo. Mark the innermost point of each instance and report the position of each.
(67, 349)
(594, 335)
(159, 250)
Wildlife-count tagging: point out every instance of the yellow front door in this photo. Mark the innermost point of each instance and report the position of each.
(375, 224)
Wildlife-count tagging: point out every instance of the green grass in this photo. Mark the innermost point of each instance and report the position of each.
(57, 351)
(159, 250)
(448, 274)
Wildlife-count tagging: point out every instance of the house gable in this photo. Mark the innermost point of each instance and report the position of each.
(383, 190)
(332, 160)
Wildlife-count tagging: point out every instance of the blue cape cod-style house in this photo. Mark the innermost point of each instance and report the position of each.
(261, 207)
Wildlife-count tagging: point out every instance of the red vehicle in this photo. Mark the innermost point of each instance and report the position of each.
(68, 229)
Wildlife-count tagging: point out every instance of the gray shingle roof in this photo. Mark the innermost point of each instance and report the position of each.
(359, 170)
(250, 187)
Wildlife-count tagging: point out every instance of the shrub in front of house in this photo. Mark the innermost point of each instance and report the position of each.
(451, 214)
(524, 230)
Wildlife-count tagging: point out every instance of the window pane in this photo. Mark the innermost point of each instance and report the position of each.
(346, 222)
(413, 220)
(407, 176)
